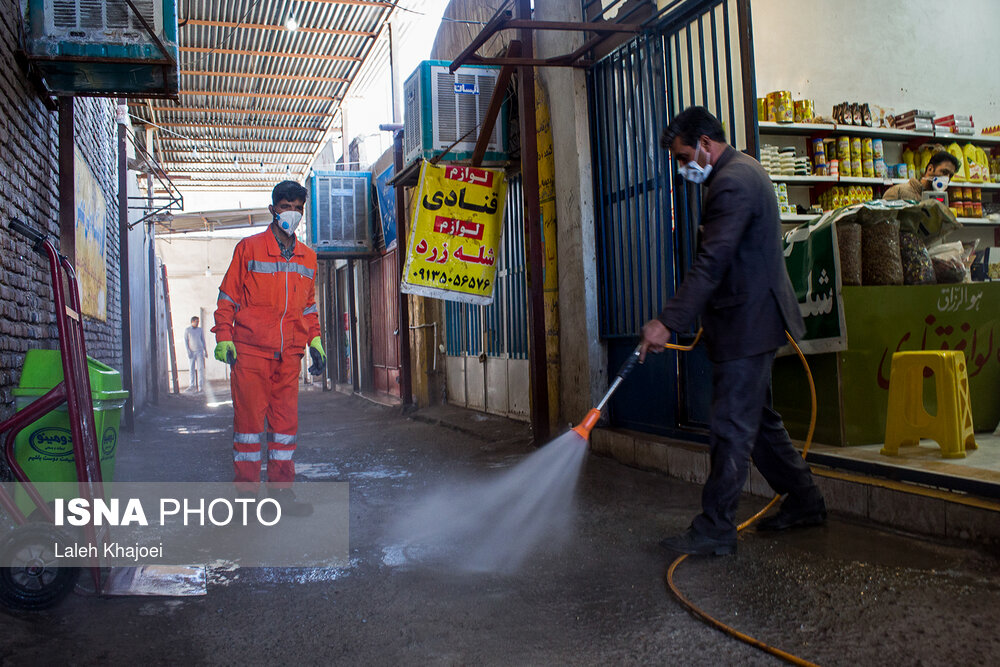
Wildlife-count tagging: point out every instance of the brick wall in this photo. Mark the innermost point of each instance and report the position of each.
(29, 180)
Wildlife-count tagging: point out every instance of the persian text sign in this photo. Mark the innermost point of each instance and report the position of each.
(454, 239)
(813, 264)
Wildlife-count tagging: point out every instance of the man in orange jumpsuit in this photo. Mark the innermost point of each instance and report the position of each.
(265, 316)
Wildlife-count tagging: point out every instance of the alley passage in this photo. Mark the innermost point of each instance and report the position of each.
(844, 594)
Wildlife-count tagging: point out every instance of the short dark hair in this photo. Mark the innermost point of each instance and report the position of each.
(690, 125)
(944, 156)
(195, 318)
(289, 191)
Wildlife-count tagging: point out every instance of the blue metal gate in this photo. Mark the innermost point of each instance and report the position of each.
(647, 216)
(504, 323)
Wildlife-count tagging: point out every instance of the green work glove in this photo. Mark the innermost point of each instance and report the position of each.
(225, 351)
(318, 356)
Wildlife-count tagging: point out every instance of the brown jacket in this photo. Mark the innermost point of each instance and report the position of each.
(911, 190)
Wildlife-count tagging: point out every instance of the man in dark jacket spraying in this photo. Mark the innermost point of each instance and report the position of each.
(740, 288)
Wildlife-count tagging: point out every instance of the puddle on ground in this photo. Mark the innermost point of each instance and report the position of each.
(161, 608)
(184, 430)
(380, 473)
(222, 572)
(316, 470)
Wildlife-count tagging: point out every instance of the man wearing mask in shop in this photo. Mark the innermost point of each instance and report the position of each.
(740, 288)
(265, 316)
(942, 166)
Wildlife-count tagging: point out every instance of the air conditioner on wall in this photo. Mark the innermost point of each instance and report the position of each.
(101, 47)
(341, 212)
(439, 108)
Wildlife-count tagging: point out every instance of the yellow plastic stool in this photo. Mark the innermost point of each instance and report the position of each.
(907, 421)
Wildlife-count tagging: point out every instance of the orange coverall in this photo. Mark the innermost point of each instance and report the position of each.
(267, 308)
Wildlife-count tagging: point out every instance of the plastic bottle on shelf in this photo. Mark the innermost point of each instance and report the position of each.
(925, 159)
(973, 173)
(960, 174)
(911, 167)
(984, 165)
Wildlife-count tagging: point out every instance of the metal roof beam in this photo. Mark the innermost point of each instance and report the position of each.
(264, 26)
(266, 96)
(362, 3)
(249, 112)
(251, 177)
(231, 151)
(196, 140)
(283, 77)
(227, 126)
(269, 54)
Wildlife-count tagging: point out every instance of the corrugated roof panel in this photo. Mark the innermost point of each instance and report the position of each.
(254, 90)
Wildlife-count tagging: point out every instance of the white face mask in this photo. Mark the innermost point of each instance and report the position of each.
(693, 171)
(940, 183)
(288, 221)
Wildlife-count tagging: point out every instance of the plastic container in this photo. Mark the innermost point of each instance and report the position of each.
(44, 449)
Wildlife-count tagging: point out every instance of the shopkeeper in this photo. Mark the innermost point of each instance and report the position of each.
(942, 164)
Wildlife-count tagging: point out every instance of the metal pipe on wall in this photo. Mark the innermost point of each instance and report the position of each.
(67, 180)
(154, 347)
(533, 228)
(128, 411)
(352, 321)
(405, 381)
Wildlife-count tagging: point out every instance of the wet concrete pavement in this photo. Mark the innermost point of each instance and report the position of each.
(843, 594)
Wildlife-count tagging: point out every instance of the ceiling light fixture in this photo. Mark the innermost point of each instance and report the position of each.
(290, 23)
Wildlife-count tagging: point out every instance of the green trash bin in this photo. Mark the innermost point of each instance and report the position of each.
(45, 448)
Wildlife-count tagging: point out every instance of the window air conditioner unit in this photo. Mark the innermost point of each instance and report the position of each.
(102, 47)
(441, 108)
(341, 212)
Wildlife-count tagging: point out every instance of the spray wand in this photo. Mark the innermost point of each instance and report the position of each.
(590, 421)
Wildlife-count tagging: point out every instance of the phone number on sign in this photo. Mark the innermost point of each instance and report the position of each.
(443, 278)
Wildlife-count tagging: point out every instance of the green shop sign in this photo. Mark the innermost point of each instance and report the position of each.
(884, 320)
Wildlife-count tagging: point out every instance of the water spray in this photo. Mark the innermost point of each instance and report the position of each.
(594, 415)
(584, 428)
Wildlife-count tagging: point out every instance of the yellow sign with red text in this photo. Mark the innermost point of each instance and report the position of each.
(454, 238)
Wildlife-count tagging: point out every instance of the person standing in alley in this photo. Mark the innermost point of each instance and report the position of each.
(194, 341)
(740, 288)
(265, 316)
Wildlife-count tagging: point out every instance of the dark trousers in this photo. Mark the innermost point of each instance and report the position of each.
(745, 428)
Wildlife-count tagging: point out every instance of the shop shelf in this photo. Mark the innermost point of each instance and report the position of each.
(804, 180)
(866, 181)
(767, 127)
(984, 186)
(798, 217)
(979, 221)
(889, 133)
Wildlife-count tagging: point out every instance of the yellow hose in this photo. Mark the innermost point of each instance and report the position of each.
(690, 606)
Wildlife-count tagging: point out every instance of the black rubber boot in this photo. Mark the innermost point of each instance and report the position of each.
(289, 505)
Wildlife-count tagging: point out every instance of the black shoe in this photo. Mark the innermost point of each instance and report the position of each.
(696, 544)
(289, 505)
(786, 519)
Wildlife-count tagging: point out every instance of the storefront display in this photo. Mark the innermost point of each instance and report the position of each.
(878, 278)
(825, 165)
